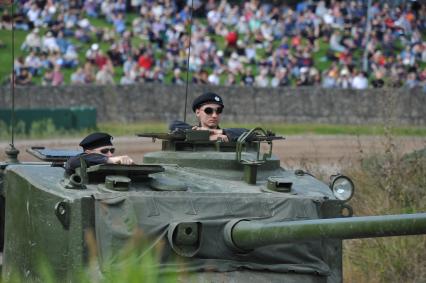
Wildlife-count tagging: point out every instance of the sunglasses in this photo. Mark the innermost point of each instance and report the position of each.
(209, 110)
(106, 150)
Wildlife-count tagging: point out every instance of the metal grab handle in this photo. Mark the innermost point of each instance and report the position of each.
(242, 140)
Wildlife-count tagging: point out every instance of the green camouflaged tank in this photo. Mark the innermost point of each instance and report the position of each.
(223, 212)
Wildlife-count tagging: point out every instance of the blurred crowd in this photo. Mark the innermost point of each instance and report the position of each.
(330, 44)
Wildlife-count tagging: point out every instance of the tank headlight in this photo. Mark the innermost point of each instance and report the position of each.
(343, 188)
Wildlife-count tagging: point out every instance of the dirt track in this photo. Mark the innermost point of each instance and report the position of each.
(329, 152)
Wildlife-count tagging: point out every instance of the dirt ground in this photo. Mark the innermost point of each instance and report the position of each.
(330, 153)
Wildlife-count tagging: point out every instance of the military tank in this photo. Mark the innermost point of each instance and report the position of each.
(222, 212)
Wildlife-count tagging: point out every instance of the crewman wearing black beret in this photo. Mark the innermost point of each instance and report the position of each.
(208, 108)
(97, 149)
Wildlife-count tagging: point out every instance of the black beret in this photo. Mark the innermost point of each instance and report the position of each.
(96, 140)
(208, 97)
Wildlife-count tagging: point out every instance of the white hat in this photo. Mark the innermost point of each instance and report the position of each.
(95, 46)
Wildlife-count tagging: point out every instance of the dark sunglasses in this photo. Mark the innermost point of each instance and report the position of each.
(209, 110)
(106, 150)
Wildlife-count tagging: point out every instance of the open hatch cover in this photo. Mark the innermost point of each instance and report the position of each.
(52, 154)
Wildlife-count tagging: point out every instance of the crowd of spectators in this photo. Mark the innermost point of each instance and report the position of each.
(252, 43)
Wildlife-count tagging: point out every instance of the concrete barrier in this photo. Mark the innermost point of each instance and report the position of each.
(154, 102)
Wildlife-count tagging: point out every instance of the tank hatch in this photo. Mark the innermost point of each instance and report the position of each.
(98, 173)
(52, 155)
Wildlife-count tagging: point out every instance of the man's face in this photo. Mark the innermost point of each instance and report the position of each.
(209, 115)
(104, 150)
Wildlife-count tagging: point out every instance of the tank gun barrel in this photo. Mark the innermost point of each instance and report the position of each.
(251, 234)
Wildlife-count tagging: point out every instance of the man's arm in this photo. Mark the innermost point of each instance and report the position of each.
(90, 159)
(234, 133)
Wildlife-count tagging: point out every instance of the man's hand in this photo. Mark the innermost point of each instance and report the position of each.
(215, 137)
(197, 128)
(123, 159)
(215, 134)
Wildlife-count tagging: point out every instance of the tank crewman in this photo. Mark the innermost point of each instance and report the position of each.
(208, 108)
(97, 149)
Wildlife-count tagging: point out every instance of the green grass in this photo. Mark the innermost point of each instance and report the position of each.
(39, 130)
(6, 51)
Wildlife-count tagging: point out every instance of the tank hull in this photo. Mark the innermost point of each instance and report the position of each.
(36, 231)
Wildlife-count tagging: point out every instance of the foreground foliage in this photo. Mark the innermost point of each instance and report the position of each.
(388, 183)
(134, 264)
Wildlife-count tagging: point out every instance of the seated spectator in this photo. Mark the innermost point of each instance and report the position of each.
(32, 41)
(177, 80)
(126, 79)
(411, 81)
(115, 55)
(6, 20)
(107, 9)
(262, 79)
(57, 76)
(70, 57)
(119, 6)
(281, 78)
(231, 39)
(128, 64)
(335, 42)
(91, 8)
(378, 81)
(247, 78)
(78, 77)
(33, 63)
(214, 78)
(302, 80)
(314, 77)
(145, 60)
(344, 80)
(89, 73)
(119, 23)
(82, 35)
(330, 78)
(102, 60)
(47, 77)
(49, 43)
(154, 76)
(34, 16)
(360, 81)
(24, 77)
(135, 73)
(104, 76)
(62, 42)
(19, 64)
(21, 21)
(230, 80)
(201, 77)
(234, 64)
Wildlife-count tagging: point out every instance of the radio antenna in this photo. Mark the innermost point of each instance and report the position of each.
(187, 61)
(12, 152)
